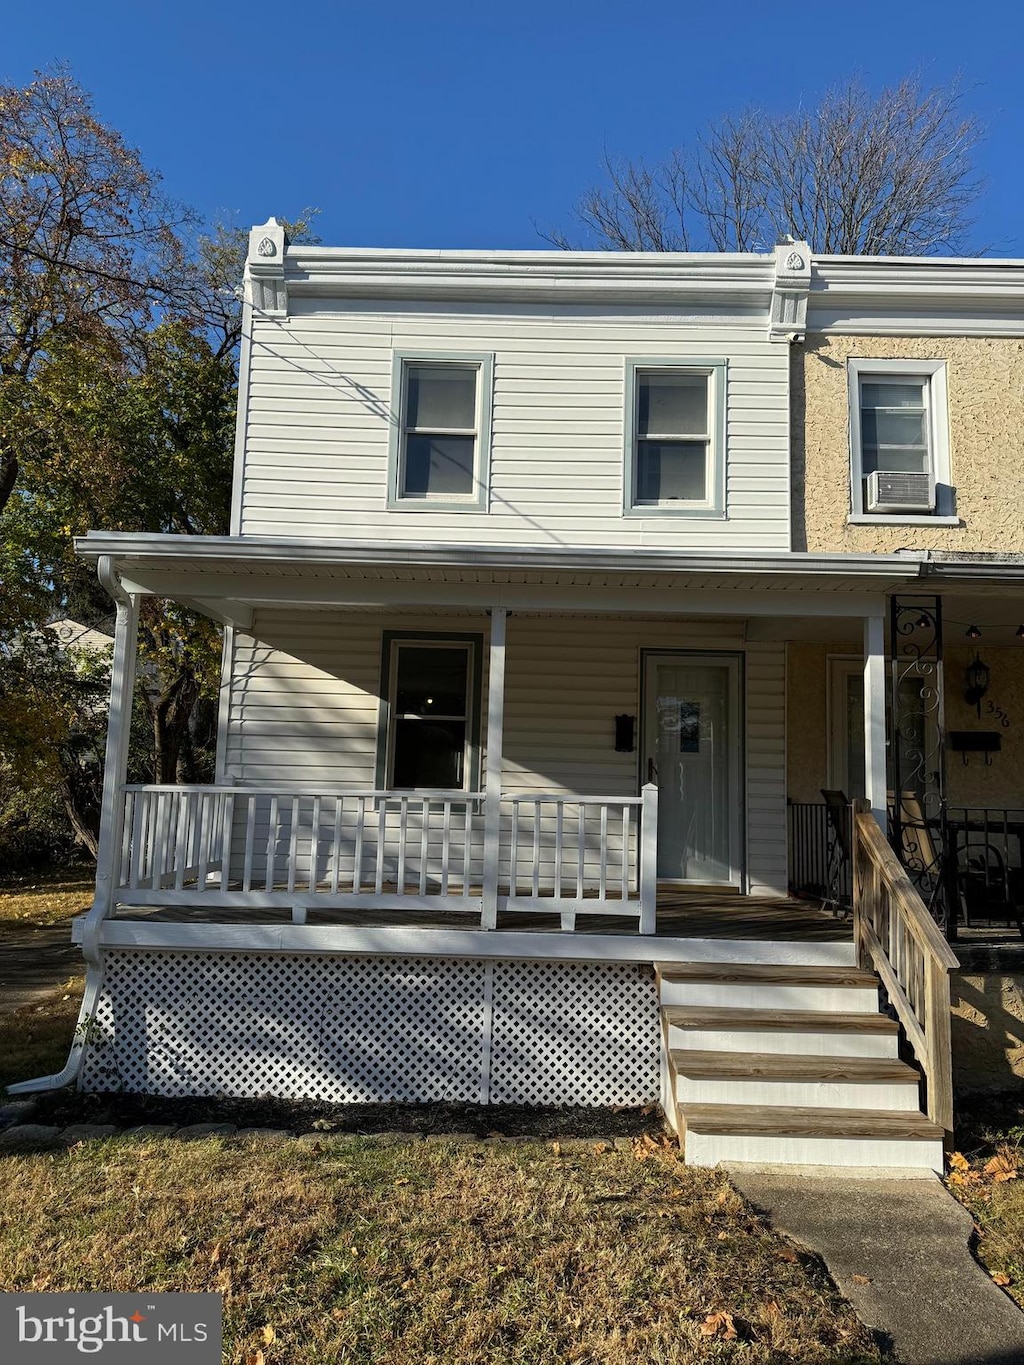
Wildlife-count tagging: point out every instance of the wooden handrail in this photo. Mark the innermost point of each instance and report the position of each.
(919, 921)
(895, 934)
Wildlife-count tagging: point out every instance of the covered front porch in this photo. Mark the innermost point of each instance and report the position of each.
(619, 723)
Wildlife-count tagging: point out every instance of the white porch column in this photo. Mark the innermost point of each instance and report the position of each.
(492, 772)
(875, 782)
(122, 688)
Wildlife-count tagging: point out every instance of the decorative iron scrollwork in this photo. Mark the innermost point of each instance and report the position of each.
(918, 751)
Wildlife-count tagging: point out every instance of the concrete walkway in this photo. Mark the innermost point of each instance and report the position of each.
(35, 960)
(897, 1248)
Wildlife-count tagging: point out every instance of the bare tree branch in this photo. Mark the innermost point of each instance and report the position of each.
(860, 174)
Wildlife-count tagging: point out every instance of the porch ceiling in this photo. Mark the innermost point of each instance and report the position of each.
(230, 577)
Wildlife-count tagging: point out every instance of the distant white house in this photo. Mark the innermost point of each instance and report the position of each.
(74, 635)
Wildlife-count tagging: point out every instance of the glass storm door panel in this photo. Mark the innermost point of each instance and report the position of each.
(693, 752)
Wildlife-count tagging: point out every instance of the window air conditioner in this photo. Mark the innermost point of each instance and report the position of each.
(900, 492)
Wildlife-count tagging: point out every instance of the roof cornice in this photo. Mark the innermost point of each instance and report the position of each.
(644, 277)
(917, 296)
(788, 289)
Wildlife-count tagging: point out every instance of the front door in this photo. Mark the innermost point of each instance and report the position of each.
(693, 751)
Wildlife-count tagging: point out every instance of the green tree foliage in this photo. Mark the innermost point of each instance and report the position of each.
(124, 439)
(87, 241)
(118, 377)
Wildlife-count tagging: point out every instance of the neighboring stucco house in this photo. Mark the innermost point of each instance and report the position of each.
(556, 583)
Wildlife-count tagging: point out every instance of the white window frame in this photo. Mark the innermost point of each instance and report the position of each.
(713, 504)
(478, 499)
(840, 668)
(392, 643)
(933, 372)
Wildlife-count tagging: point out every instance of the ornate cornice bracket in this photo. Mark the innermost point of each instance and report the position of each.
(790, 290)
(264, 268)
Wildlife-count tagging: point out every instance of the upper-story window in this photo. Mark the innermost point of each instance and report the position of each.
(440, 432)
(675, 438)
(899, 447)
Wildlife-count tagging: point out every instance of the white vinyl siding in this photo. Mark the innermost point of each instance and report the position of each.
(321, 413)
(304, 707)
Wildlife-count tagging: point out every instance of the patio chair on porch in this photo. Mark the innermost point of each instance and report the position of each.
(988, 888)
(840, 852)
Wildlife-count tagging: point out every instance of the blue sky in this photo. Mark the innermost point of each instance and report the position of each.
(456, 124)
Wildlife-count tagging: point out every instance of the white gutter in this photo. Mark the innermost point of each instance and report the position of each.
(127, 547)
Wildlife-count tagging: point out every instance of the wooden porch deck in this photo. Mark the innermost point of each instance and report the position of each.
(681, 914)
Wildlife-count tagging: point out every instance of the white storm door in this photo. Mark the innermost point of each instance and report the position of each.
(693, 751)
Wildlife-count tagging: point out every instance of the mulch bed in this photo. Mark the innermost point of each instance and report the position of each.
(66, 1107)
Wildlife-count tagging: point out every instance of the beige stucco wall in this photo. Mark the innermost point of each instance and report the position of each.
(985, 379)
(807, 717)
(975, 783)
(988, 1031)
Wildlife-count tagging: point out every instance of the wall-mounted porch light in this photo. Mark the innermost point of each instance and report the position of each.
(978, 676)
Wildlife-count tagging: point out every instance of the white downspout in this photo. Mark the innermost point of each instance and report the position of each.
(122, 687)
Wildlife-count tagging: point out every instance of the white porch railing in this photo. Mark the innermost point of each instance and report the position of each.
(246, 846)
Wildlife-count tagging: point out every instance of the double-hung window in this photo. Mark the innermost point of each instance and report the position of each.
(675, 438)
(440, 433)
(429, 734)
(899, 447)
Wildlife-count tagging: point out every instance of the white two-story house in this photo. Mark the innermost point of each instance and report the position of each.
(512, 600)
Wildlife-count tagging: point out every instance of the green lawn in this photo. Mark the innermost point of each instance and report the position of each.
(351, 1251)
(35, 1040)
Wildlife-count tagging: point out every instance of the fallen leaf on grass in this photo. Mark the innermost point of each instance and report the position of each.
(215, 1253)
(1001, 1278)
(788, 1254)
(719, 1325)
(861, 1279)
(268, 1334)
(1000, 1168)
(556, 1147)
(958, 1162)
(257, 1358)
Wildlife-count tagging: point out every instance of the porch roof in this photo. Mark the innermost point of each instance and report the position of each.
(230, 576)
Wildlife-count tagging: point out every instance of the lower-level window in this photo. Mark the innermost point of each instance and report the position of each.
(429, 731)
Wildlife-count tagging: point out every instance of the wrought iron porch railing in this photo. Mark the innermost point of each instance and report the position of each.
(819, 867)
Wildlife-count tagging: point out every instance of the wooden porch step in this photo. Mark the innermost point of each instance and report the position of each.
(748, 1021)
(774, 1066)
(747, 973)
(739, 1120)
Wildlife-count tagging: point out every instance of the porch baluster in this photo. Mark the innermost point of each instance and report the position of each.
(271, 844)
(382, 822)
(424, 844)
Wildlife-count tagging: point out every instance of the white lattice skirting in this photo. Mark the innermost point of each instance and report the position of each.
(375, 1029)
